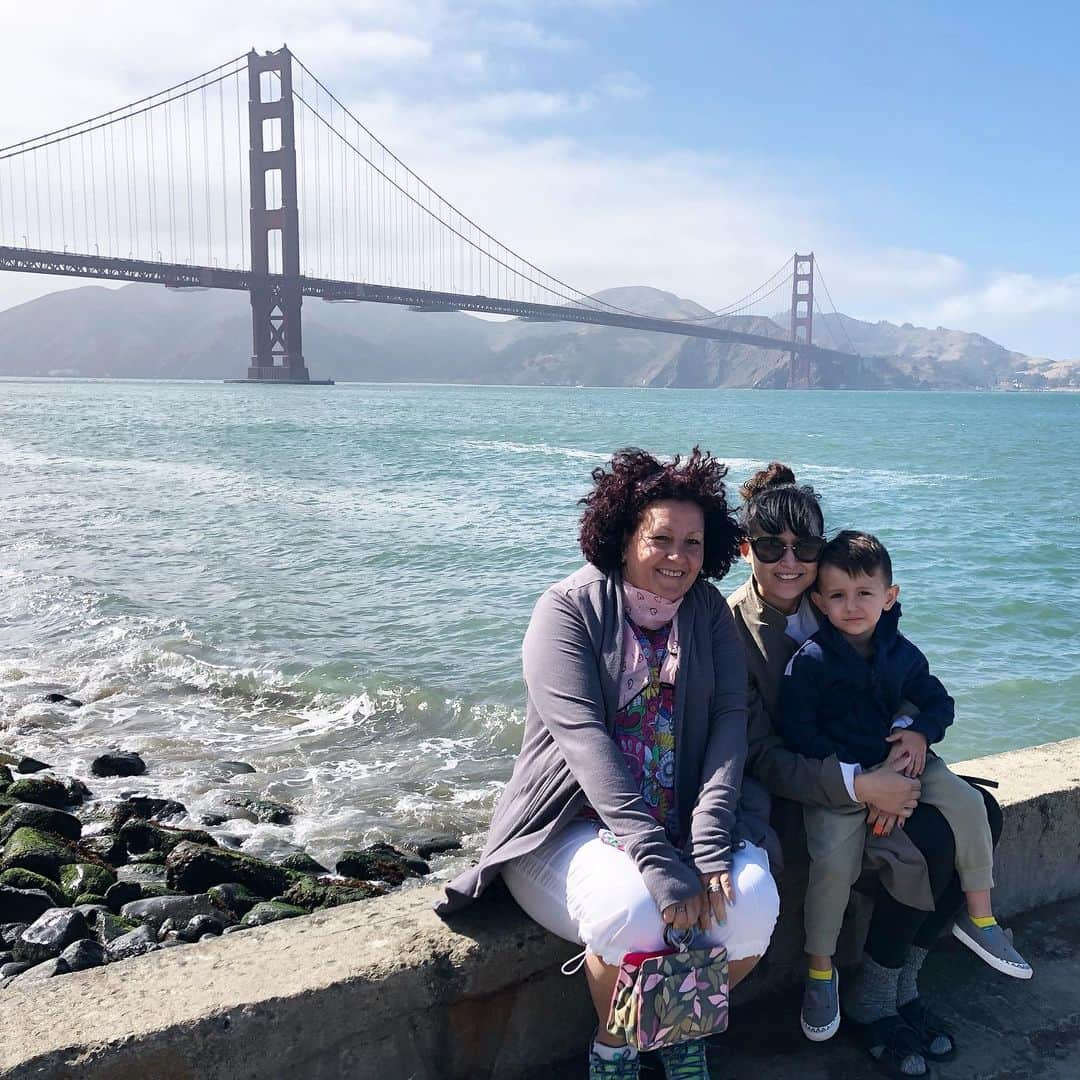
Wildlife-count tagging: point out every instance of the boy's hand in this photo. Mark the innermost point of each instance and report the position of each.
(880, 823)
(914, 745)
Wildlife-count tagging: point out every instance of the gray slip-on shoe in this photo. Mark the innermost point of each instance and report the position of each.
(992, 945)
(820, 1015)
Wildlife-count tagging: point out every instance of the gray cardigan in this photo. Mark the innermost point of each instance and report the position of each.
(572, 655)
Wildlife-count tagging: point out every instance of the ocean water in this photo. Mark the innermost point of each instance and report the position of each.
(332, 583)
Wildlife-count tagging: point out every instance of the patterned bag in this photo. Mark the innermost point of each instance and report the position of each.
(664, 998)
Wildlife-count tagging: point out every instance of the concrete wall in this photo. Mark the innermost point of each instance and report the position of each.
(385, 989)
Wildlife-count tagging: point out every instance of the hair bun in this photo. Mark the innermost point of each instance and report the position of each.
(775, 474)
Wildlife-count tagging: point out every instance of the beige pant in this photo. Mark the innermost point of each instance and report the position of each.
(836, 838)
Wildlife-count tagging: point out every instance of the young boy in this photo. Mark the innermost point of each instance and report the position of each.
(841, 695)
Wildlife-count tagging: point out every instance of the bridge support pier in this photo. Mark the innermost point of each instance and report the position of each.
(276, 295)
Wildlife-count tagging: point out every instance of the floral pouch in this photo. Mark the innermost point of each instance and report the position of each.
(668, 997)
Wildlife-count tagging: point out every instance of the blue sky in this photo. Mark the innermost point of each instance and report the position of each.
(925, 152)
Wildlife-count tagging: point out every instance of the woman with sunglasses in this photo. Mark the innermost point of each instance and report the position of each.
(918, 892)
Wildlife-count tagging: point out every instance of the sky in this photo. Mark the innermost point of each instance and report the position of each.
(926, 152)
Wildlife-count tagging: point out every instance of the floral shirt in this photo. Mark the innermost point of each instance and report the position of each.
(645, 732)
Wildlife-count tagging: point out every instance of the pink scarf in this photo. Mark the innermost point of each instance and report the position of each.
(650, 612)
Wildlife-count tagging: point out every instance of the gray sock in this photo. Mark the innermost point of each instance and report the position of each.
(907, 989)
(872, 994)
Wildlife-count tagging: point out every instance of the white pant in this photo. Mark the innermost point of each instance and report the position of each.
(589, 892)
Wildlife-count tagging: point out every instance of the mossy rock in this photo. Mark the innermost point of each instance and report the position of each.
(40, 789)
(234, 899)
(5, 777)
(110, 927)
(81, 877)
(314, 893)
(42, 852)
(271, 911)
(36, 816)
(141, 837)
(88, 898)
(301, 862)
(194, 868)
(381, 862)
(17, 878)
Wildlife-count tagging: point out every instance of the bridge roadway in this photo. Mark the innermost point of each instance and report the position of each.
(182, 276)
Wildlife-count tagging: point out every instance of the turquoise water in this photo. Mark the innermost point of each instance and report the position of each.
(332, 583)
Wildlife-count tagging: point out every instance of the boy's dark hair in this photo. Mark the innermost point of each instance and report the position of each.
(855, 553)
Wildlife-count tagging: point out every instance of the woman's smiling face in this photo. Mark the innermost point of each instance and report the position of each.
(665, 552)
(781, 584)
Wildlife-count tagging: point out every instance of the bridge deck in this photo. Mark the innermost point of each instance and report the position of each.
(181, 276)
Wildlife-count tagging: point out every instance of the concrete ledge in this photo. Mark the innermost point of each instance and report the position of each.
(385, 989)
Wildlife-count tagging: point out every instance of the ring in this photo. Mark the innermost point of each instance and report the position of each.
(716, 887)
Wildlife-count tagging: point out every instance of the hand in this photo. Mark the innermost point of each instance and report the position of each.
(714, 905)
(686, 914)
(914, 744)
(888, 791)
(880, 823)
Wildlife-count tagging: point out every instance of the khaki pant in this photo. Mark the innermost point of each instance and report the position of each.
(836, 838)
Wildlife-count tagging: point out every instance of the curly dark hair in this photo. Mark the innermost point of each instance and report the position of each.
(634, 481)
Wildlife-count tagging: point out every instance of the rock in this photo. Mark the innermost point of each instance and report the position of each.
(171, 940)
(89, 899)
(30, 765)
(134, 943)
(226, 770)
(233, 899)
(231, 840)
(35, 816)
(50, 934)
(123, 892)
(381, 862)
(77, 791)
(110, 927)
(266, 811)
(271, 911)
(26, 879)
(118, 763)
(45, 970)
(140, 836)
(153, 857)
(313, 893)
(42, 852)
(303, 863)
(9, 932)
(63, 699)
(106, 846)
(427, 845)
(146, 809)
(92, 913)
(84, 954)
(46, 790)
(181, 909)
(195, 868)
(79, 878)
(142, 874)
(203, 926)
(213, 819)
(7, 957)
(22, 905)
(233, 929)
(5, 777)
(14, 967)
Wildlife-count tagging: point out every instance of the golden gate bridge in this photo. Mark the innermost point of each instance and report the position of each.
(167, 190)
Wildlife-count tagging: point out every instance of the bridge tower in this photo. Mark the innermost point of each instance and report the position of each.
(802, 317)
(276, 293)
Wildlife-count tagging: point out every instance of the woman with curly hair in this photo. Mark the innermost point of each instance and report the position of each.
(620, 817)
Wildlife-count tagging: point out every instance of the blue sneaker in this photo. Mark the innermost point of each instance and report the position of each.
(685, 1061)
(992, 944)
(820, 1015)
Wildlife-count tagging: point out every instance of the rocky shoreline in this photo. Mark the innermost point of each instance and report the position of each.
(86, 882)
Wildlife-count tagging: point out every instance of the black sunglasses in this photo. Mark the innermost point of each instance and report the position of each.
(770, 549)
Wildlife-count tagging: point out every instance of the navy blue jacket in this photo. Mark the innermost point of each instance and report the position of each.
(834, 701)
